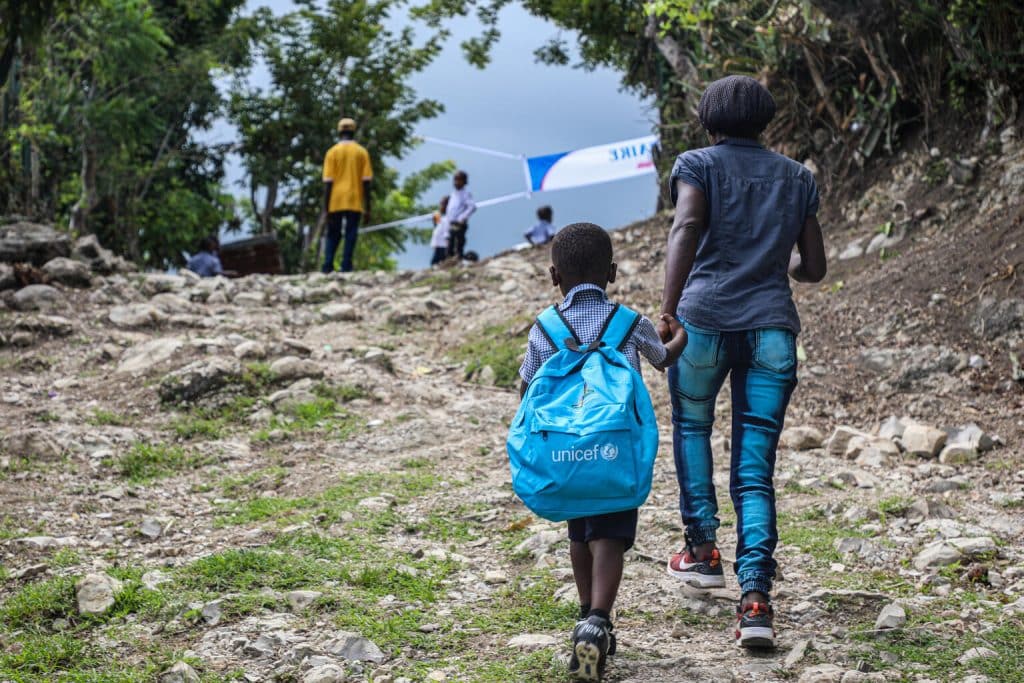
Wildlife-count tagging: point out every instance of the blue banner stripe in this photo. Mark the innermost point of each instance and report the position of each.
(539, 167)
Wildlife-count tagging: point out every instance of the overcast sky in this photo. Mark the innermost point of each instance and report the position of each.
(516, 105)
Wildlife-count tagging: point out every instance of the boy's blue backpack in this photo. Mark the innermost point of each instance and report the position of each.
(584, 439)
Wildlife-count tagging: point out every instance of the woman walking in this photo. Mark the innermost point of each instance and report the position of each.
(739, 211)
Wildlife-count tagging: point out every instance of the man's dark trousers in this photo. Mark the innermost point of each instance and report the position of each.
(335, 221)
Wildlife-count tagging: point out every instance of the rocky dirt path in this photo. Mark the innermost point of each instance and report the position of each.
(304, 479)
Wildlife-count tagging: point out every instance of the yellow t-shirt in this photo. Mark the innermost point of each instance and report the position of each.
(347, 165)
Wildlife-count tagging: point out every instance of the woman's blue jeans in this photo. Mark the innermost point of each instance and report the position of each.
(761, 365)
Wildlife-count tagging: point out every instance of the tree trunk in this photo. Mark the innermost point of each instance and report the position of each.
(267, 215)
(87, 200)
(674, 53)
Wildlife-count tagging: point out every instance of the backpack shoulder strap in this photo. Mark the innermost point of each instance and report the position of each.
(556, 329)
(619, 326)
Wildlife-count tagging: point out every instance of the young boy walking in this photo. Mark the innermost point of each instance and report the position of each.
(582, 268)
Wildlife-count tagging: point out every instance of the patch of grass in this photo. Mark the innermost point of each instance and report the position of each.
(191, 427)
(496, 346)
(936, 172)
(895, 506)
(65, 557)
(37, 604)
(103, 418)
(793, 486)
(330, 503)
(47, 416)
(342, 393)
(233, 486)
(146, 462)
(321, 414)
(527, 605)
(814, 538)
(533, 666)
(934, 652)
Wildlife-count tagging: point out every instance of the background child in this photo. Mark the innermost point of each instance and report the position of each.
(460, 207)
(543, 231)
(439, 240)
(582, 267)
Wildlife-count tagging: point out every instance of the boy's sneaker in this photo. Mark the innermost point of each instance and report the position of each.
(755, 626)
(707, 574)
(592, 642)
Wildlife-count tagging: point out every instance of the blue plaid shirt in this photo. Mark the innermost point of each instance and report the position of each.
(585, 308)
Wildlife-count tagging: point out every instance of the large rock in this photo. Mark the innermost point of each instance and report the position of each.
(938, 554)
(801, 438)
(96, 593)
(32, 243)
(68, 272)
(996, 317)
(922, 440)
(153, 352)
(103, 261)
(354, 647)
(198, 379)
(292, 368)
(181, 672)
(840, 439)
(325, 673)
(136, 315)
(337, 312)
(31, 444)
(892, 616)
(35, 297)
(7, 277)
(530, 642)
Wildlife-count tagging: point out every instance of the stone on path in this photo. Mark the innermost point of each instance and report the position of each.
(823, 673)
(96, 593)
(151, 528)
(325, 673)
(840, 439)
(937, 554)
(922, 440)
(801, 438)
(353, 646)
(299, 600)
(339, 312)
(35, 297)
(32, 444)
(976, 653)
(892, 616)
(292, 368)
(68, 272)
(973, 546)
(796, 653)
(153, 352)
(891, 428)
(198, 379)
(530, 642)
(136, 315)
(179, 673)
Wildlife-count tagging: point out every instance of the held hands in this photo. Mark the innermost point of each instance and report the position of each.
(673, 336)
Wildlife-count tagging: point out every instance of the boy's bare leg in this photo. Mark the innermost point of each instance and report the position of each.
(582, 569)
(608, 554)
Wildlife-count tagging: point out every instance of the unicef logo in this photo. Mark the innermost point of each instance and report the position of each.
(609, 451)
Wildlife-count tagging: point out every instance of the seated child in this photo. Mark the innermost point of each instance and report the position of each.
(439, 240)
(543, 231)
(582, 267)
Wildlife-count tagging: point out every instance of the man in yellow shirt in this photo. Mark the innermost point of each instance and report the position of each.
(347, 176)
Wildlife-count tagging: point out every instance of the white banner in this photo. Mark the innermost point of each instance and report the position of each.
(592, 165)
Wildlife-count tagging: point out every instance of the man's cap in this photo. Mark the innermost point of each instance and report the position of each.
(346, 124)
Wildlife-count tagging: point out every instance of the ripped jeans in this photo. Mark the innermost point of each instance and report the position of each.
(761, 365)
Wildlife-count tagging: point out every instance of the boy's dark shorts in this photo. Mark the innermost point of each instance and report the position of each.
(613, 525)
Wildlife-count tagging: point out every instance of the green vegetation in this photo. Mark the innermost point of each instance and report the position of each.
(321, 414)
(807, 532)
(146, 462)
(328, 505)
(497, 346)
(102, 418)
